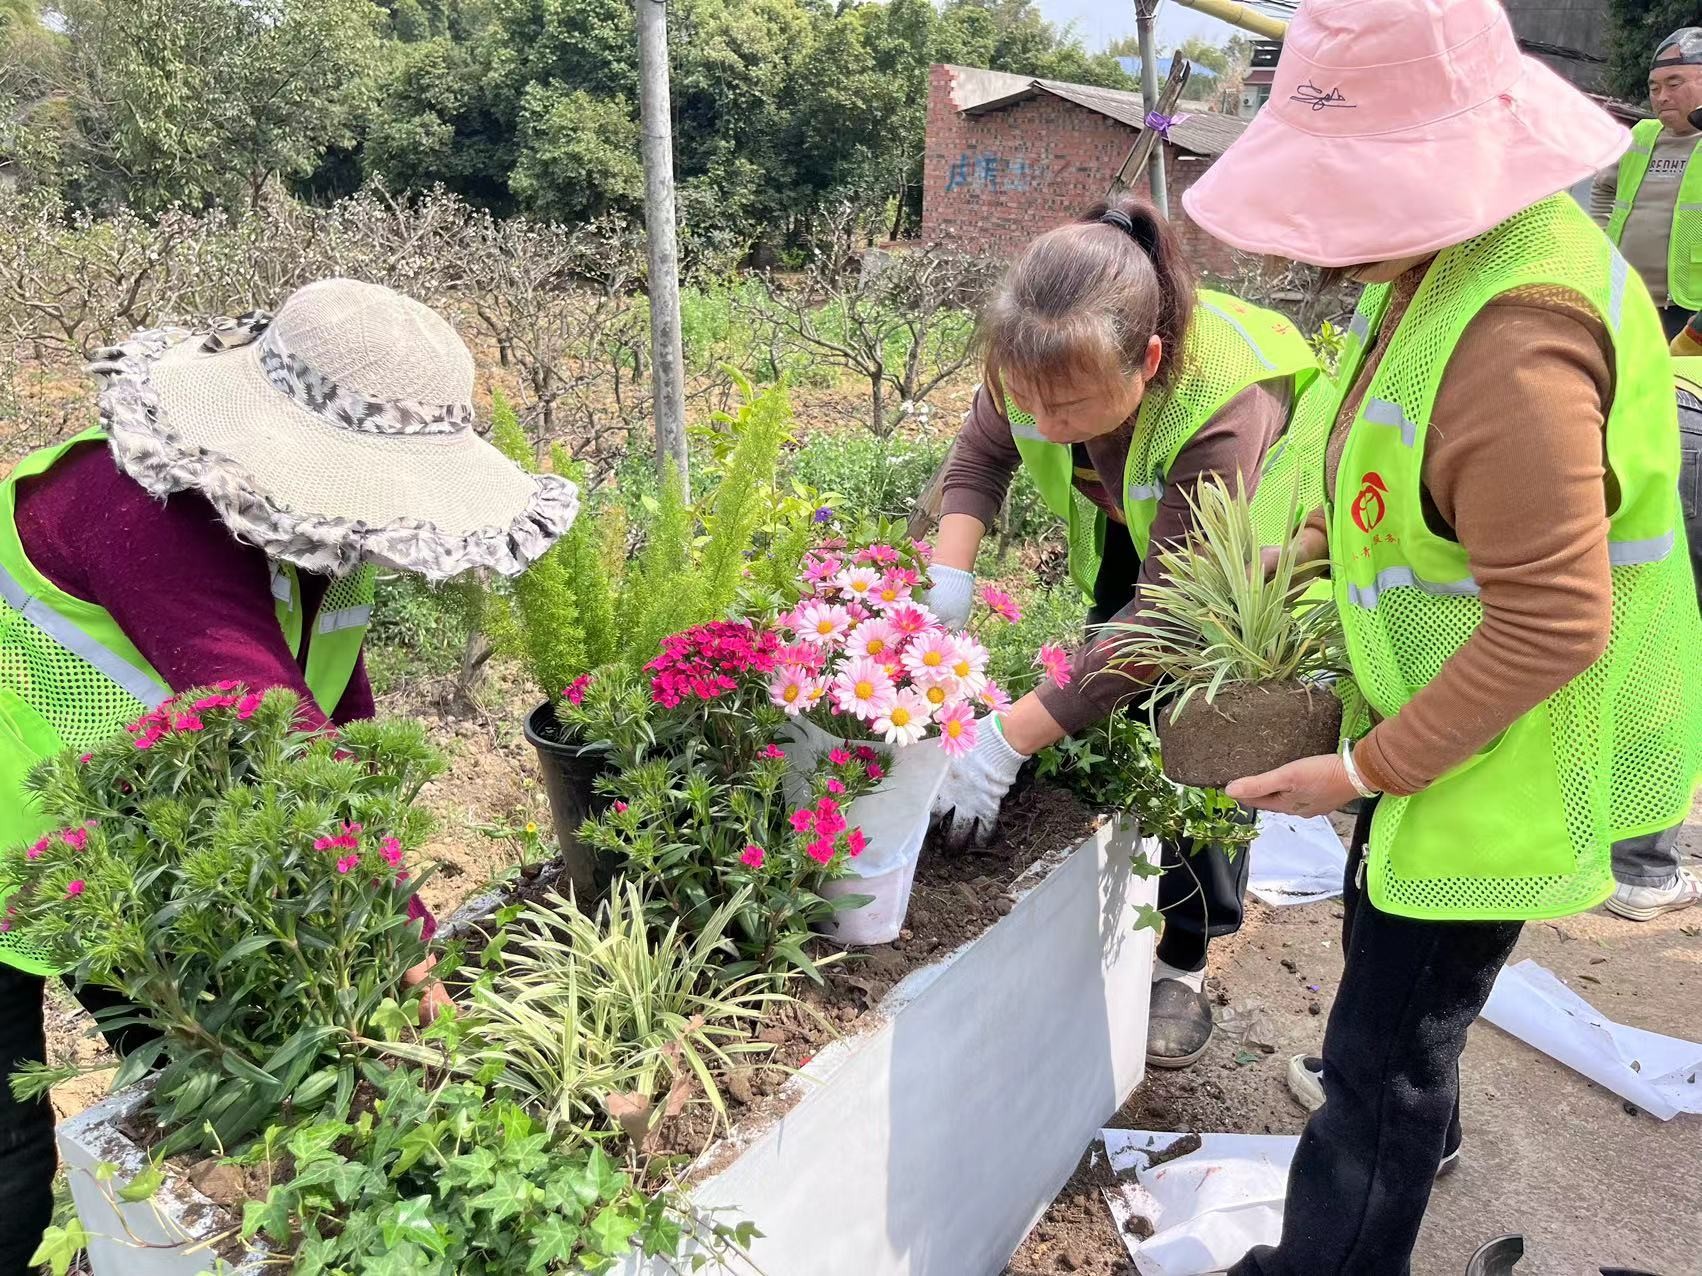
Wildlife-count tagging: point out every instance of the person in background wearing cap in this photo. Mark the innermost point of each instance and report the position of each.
(1651, 201)
(224, 523)
(1121, 385)
(1522, 622)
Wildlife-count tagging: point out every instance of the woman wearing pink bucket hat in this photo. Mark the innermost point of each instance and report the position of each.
(1506, 550)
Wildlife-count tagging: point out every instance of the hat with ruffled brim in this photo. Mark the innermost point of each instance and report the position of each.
(1397, 128)
(339, 433)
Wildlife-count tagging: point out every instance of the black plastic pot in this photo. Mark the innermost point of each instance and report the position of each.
(570, 773)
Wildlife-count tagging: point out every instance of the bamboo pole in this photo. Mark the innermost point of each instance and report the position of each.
(1240, 15)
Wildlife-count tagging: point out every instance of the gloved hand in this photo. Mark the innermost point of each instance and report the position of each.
(952, 595)
(976, 784)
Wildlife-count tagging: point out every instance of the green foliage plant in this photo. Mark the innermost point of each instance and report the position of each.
(241, 884)
(588, 603)
(1225, 615)
(453, 1176)
(592, 1018)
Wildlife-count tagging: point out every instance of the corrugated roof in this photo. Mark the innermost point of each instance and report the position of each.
(1202, 134)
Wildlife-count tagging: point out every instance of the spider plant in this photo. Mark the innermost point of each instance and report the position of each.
(1230, 611)
(597, 1017)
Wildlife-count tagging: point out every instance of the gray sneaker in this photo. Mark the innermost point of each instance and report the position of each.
(1645, 903)
(1179, 1025)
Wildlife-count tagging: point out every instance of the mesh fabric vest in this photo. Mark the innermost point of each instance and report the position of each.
(70, 679)
(1230, 346)
(1684, 246)
(1523, 830)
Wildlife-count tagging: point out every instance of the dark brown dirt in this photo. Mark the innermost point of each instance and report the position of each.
(1247, 729)
(1078, 1233)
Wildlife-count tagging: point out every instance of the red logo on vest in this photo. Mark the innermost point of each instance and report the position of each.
(1368, 507)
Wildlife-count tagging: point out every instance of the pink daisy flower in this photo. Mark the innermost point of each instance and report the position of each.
(968, 663)
(858, 584)
(789, 689)
(912, 619)
(882, 554)
(994, 697)
(1055, 661)
(863, 690)
(822, 623)
(874, 640)
(820, 572)
(939, 690)
(930, 656)
(906, 721)
(752, 856)
(958, 730)
(895, 587)
(1001, 604)
(924, 551)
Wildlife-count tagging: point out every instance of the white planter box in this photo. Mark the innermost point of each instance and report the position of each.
(164, 1236)
(931, 1141)
(927, 1144)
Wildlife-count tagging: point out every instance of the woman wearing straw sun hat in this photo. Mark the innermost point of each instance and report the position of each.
(224, 523)
(1517, 603)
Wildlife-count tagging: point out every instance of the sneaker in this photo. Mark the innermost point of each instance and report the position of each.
(1306, 1081)
(1306, 1084)
(1645, 903)
(1179, 1025)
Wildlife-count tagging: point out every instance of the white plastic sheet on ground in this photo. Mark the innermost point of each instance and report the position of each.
(1207, 1208)
(1296, 861)
(1662, 1075)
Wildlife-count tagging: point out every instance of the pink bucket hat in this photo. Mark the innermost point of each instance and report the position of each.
(1395, 128)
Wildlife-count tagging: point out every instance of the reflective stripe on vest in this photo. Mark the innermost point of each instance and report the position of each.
(1684, 240)
(1524, 829)
(138, 681)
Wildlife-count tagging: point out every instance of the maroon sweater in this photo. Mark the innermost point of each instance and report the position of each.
(195, 601)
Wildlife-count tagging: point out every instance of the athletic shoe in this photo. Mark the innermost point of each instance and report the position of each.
(1645, 903)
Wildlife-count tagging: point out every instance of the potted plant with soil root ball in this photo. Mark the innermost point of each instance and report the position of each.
(596, 600)
(1244, 664)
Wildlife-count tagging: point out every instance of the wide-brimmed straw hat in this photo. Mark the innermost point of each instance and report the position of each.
(339, 432)
(1397, 128)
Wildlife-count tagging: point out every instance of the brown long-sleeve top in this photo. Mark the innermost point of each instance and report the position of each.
(1514, 471)
(1233, 442)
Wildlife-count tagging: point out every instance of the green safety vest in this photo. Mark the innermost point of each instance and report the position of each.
(1230, 346)
(1684, 245)
(70, 679)
(1525, 829)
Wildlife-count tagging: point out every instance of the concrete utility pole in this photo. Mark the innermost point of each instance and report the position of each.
(667, 362)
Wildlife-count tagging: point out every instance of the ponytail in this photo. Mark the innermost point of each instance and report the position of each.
(1091, 295)
(1157, 238)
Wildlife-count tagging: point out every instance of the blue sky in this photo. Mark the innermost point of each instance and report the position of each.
(1100, 21)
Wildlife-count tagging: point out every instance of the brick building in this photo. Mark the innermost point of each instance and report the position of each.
(1009, 156)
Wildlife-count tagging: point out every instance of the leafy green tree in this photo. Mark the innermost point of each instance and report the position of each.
(200, 100)
(1638, 26)
(579, 154)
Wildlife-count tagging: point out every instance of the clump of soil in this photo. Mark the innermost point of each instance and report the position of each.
(1247, 729)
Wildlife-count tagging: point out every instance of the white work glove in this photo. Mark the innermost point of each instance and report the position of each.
(951, 596)
(976, 784)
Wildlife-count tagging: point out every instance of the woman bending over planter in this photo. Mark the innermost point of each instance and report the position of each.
(1506, 552)
(224, 524)
(1121, 385)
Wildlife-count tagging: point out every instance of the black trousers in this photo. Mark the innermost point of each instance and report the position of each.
(1362, 1176)
(1203, 889)
(27, 1156)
